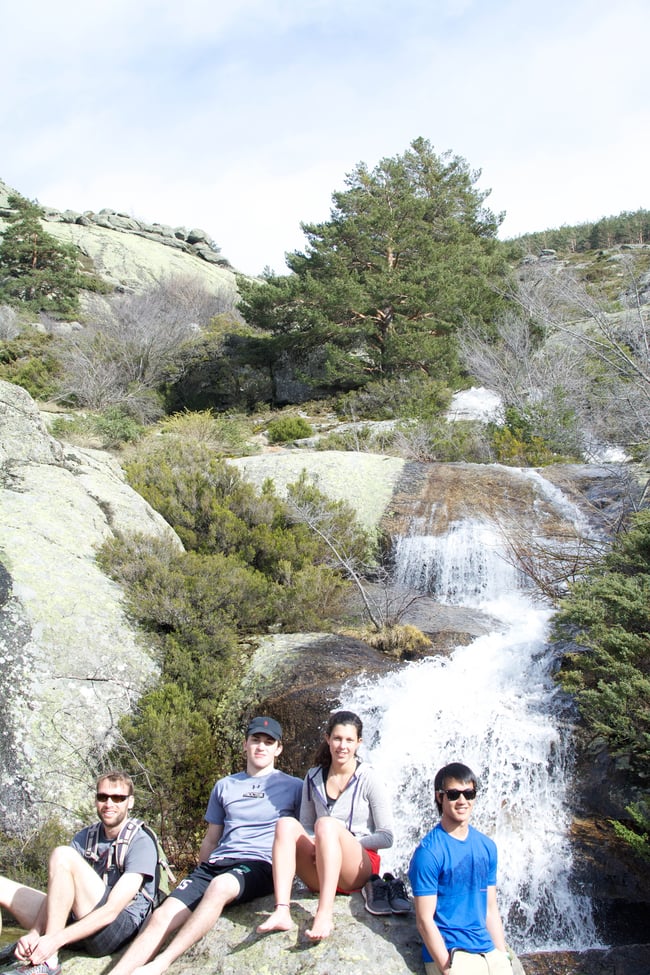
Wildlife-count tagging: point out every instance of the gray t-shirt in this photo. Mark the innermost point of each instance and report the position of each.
(141, 857)
(248, 808)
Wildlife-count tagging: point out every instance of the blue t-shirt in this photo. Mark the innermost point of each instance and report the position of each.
(141, 857)
(459, 872)
(248, 807)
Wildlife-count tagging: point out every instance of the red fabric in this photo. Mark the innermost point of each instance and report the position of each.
(375, 862)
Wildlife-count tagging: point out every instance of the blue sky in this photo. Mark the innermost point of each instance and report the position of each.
(243, 117)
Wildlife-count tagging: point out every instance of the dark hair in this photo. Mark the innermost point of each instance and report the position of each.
(323, 755)
(457, 771)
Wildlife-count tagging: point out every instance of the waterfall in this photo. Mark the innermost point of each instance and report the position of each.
(494, 706)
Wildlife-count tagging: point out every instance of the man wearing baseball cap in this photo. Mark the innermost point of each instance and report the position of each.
(235, 856)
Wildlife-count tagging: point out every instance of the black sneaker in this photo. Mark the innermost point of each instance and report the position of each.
(397, 896)
(375, 894)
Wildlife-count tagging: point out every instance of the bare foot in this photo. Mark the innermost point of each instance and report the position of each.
(154, 967)
(280, 920)
(321, 928)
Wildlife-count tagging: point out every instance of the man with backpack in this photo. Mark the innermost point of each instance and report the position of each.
(96, 899)
(235, 856)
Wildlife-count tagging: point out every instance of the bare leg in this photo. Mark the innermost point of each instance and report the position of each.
(340, 859)
(166, 919)
(290, 841)
(222, 890)
(24, 903)
(28, 906)
(72, 885)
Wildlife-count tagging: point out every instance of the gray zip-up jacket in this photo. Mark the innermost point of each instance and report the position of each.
(363, 806)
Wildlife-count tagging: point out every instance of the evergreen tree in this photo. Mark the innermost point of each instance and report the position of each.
(408, 255)
(35, 268)
(607, 617)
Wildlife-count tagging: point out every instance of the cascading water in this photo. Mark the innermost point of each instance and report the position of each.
(494, 706)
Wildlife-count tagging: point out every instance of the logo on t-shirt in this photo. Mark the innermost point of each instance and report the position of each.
(254, 794)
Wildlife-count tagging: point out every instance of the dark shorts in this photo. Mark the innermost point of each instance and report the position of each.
(255, 878)
(113, 936)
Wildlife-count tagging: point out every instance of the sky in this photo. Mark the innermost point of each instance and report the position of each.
(243, 117)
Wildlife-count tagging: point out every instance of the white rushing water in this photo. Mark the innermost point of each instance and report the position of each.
(494, 706)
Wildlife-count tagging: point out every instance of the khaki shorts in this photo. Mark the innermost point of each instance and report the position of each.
(465, 963)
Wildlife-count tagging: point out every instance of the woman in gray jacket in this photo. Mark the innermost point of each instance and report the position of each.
(345, 818)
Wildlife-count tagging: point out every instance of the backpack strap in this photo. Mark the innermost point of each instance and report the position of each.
(121, 843)
(92, 843)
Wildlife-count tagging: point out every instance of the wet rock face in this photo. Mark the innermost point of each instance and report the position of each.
(298, 678)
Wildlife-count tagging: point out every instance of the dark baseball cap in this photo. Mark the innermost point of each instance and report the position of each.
(265, 726)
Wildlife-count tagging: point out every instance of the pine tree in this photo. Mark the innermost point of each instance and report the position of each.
(607, 616)
(408, 255)
(35, 268)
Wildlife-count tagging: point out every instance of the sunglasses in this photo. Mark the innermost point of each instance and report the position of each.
(453, 794)
(105, 796)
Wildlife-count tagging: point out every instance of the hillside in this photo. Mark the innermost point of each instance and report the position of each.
(131, 254)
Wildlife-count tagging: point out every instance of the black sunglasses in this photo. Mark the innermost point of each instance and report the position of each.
(453, 794)
(105, 796)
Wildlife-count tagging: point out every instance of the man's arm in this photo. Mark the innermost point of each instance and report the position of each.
(425, 908)
(493, 920)
(211, 839)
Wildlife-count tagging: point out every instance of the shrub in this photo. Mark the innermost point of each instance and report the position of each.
(441, 441)
(363, 437)
(29, 360)
(415, 396)
(252, 562)
(176, 745)
(287, 428)
(400, 640)
(520, 443)
(606, 621)
(225, 434)
(107, 429)
(25, 859)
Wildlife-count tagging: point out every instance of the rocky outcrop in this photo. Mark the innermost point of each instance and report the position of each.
(365, 481)
(132, 254)
(297, 677)
(360, 943)
(71, 663)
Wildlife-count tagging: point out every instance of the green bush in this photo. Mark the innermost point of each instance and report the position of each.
(362, 437)
(108, 429)
(532, 438)
(606, 621)
(29, 360)
(25, 859)
(181, 767)
(287, 428)
(416, 396)
(226, 433)
(441, 441)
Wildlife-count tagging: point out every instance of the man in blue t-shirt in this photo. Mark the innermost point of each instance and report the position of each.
(235, 855)
(453, 876)
(92, 905)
